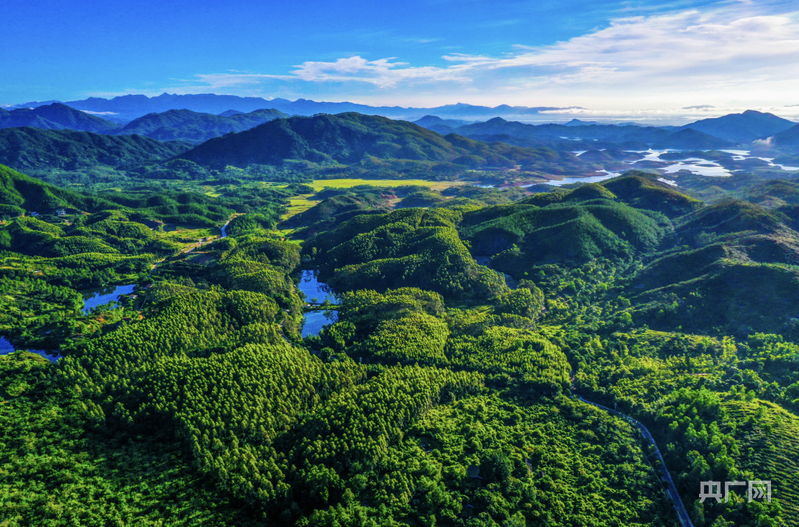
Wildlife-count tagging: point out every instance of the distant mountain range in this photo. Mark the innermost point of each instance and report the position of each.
(172, 125)
(289, 138)
(720, 132)
(56, 116)
(126, 108)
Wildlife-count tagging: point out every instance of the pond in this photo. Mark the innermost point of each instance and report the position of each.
(6, 347)
(313, 289)
(98, 297)
(314, 321)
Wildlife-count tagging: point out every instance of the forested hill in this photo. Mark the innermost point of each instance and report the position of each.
(31, 148)
(20, 194)
(195, 127)
(351, 138)
(445, 392)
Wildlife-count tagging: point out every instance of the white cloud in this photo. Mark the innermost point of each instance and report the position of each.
(382, 73)
(729, 57)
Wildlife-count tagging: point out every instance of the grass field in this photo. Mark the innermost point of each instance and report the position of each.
(299, 204)
(319, 184)
(304, 202)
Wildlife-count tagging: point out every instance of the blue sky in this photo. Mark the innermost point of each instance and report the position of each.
(607, 56)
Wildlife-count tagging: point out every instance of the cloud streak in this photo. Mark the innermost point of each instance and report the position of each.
(735, 55)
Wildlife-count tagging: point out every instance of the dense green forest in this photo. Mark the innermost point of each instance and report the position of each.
(470, 323)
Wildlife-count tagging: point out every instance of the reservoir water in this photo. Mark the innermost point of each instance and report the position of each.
(316, 293)
(94, 298)
(314, 321)
(6, 347)
(314, 289)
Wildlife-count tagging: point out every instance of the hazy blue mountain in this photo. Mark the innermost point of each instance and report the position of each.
(689, 139)
(230, 113)
(787, 138)
(742, 127)
(186, 125)
(129, 107)
(134, 106)
(439, 125)
(556, 134)
(32, 148)
(56, 116)
(471, 112)
(578, 122)
(431, 120)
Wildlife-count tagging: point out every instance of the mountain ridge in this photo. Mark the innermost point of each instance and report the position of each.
(352, 138)
(130, 107)
(742, 127)
(56, 116)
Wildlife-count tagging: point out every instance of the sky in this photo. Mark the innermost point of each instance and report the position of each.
(626, 59)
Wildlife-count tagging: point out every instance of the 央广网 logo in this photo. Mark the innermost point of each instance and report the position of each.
(757, 490)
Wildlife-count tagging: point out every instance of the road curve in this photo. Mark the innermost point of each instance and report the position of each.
(685, 520)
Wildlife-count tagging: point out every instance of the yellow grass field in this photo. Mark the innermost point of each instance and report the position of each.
(319, 184)
(302, 202)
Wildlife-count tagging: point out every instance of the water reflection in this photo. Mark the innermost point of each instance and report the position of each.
(6, 347)
(98, 297)
(314, 289)
(314, 321)
(316, 293)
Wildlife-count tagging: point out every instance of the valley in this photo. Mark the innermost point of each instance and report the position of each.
(395, 326)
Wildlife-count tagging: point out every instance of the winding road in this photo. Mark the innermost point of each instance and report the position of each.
(685, 520)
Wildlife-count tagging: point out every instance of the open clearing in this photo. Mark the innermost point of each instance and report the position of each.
(319, 184)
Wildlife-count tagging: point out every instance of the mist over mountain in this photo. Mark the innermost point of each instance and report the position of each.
(787, 138)
(570, 136)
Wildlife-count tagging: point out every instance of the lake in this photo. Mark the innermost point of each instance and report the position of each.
(94, 298)
(314, 321)
(312, 288)
(6, 347)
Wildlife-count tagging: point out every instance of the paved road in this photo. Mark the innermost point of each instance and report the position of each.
(685, 520)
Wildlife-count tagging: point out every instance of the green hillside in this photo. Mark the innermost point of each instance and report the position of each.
(195, 127)
(472, 327)
(31, 148)
(20, 194)
(352, 138)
